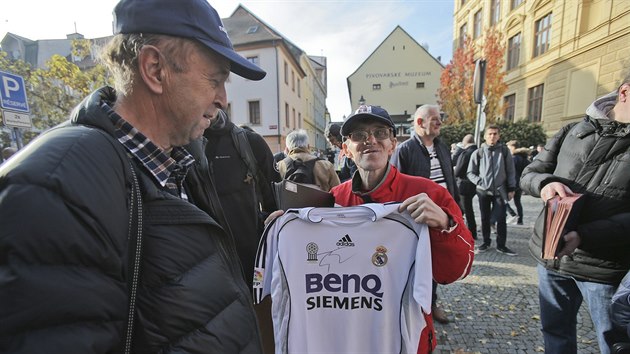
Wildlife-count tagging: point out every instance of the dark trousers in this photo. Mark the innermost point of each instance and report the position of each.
(488, 203)
(466, 202)
(519, 208)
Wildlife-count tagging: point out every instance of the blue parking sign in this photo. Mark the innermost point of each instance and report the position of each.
(13, 92)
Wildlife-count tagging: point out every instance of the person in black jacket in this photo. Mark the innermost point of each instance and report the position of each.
(467, 189)
(520, 157)
(590, 157)
(109, 240)
(425, 155)
(246, 199)
(346, 165)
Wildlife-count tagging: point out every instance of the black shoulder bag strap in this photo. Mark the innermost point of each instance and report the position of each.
(244, 149)
(134, 240)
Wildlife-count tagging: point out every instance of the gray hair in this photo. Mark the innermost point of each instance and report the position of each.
(297, 139)
(423, 110)
(120, 56)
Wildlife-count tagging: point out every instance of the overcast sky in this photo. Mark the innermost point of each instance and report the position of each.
(345, 31)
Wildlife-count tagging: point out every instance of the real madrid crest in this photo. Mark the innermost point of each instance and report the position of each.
(379, 258)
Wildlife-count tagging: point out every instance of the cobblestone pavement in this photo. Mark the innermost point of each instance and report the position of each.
(495, 309)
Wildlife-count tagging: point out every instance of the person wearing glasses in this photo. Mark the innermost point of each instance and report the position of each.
(370, 140)
(425, 155)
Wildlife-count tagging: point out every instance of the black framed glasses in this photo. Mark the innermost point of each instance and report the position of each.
(360, 136)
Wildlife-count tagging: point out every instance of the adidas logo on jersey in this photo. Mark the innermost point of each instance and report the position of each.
(345, 241)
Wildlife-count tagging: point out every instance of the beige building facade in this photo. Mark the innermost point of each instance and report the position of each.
(400, 75)
(560, 54)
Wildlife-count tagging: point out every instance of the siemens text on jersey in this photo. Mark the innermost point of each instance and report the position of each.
(345, 284)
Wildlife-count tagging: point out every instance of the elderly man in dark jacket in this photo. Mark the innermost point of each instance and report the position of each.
(101, 249)
(425, 155)
(591, 157)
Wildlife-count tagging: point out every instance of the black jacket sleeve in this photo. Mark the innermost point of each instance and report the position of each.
(264, 158)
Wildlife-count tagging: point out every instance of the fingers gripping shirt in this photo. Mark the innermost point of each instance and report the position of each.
(353, 279)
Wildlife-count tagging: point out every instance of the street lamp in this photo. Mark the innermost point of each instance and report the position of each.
(361, 101)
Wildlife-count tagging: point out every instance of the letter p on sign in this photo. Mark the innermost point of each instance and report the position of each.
(13, 92)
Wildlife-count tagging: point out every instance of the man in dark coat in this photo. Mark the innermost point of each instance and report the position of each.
(346, 166)
(467, 189)
(426, 156)
(590, 157)
(108, 237)
(246, 199)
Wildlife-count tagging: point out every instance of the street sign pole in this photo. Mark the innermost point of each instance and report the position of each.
(17, 133)
(480, 122)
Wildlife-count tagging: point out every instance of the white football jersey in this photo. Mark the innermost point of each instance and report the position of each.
(345, 280)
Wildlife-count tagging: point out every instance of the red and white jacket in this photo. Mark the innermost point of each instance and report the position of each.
(452, 251)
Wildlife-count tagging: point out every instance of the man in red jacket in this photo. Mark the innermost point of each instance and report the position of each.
(369, 140)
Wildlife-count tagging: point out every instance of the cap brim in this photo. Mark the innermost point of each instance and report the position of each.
(346, 128)
(239, 65)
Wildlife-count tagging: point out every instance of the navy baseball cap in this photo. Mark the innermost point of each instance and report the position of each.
(367, 113)
(194, 19)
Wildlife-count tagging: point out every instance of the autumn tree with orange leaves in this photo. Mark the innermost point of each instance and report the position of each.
(456, 82)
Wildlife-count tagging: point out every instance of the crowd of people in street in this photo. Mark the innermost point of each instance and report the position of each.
(136, 226)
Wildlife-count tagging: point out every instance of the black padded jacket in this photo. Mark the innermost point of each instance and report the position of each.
(64, 201)
(412, 158)
(590, 157)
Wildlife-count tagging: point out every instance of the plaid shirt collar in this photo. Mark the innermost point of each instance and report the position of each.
(160, 164)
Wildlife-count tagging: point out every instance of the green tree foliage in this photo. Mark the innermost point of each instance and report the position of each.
(454, 133)
(55, 89)
(526, 133)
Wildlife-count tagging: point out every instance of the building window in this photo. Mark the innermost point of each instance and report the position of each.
(495, 12)
(509, 103)
(419, 84)
(286, 73)
(254, 60)
(254, 112)
(477, 24)
(299, 89)
(252, 29)
(515, 3)
(462, 34)
(286, 115)
(514, 51)
(542, 35)
(294, 122)
(292, 80)
(299, 120)
(376, 86)
(534, 103)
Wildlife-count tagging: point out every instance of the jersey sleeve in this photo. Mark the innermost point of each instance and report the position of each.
(263, 266)
(423, 284)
